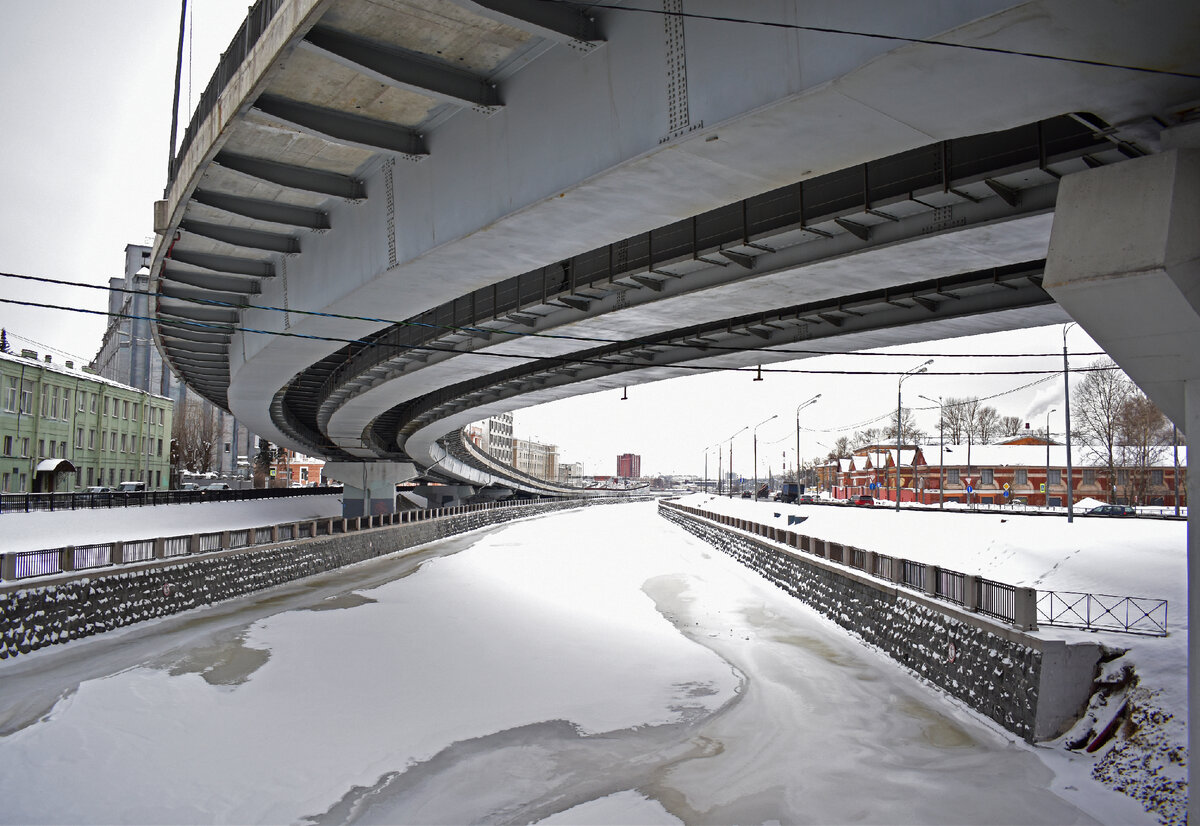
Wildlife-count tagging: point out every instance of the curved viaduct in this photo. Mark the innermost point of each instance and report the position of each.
(390, 218)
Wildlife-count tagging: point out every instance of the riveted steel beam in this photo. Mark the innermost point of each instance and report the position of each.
(272, 211)
(560, 22)
(189, 312)
(402, 69)
(224, 263)
(220, 282)
(294, 177)
(342, 127)
(242, 237)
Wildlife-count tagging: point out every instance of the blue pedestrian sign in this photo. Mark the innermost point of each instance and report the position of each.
(873, 486)
(970, 489)
(1005, 494)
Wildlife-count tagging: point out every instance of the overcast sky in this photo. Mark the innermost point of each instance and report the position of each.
(86, 91)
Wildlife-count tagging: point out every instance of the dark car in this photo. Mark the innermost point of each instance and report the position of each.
(807, 499)
(1112, 510)
(864, 500)
(745, 494)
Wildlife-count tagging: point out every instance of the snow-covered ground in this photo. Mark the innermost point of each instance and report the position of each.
(593, 666)
(42, 529)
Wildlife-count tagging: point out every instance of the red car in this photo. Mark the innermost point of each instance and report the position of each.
(864, 500)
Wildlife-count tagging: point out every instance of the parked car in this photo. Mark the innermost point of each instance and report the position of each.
(807, 499)
(97, 489)
(189, 486)
(1112, 510)
(745, 494)
(132, 487)
(217, 486)
(864, 500)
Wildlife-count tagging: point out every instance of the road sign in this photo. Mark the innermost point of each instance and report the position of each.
(1006, 491)
(873, 486)
(1006, 486)
(1043, 490)
(970, 489)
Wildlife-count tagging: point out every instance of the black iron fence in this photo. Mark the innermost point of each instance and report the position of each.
(1134, 615)
(28, 502)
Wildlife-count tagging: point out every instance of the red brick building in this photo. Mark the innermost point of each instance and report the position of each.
(629, 466)
(1028, 469)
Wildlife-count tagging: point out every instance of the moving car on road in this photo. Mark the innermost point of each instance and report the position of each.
(807, 499)
(1112, 510)
(864, 500)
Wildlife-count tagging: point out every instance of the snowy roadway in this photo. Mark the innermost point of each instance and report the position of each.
(595, 666)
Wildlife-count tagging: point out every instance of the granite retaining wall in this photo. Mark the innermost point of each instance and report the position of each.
(36, 615)
(1032, 687)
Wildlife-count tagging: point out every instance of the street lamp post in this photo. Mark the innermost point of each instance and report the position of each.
(1048, 412)
(730, 440)
(800, 407)
(941, 450)
(1067, 413)
(900, 422)
(755, 434)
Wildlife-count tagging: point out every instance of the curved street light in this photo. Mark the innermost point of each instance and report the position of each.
(730, 440)
(755, 432)
(900, 422)
(800, 407)
(941, 448)
(1048, 412)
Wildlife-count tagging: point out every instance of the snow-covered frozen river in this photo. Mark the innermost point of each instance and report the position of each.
(594, 666)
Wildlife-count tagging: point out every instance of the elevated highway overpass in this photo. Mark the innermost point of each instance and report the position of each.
(389, 218)
(499, 203)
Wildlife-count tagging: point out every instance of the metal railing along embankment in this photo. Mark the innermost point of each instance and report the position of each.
(30, 502)
(1023, 607)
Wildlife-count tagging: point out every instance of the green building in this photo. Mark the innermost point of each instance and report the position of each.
(62, 429)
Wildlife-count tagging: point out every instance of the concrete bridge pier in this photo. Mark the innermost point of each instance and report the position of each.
(445, 496)
(369, 487)
(1124, 261)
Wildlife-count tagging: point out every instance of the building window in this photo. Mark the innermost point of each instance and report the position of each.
(124, 444)
(1156, 477)
(106, 405)
(1089, 476)
(91, 440)
(952, 476)
(10, 395)
(41, 448)
(8, 445)
(66, 408)
(160, 448)
(122, 475)
(92, 397)
(24, 455)
(62, 449)
(125, 409)
(112, 442)
(79, 438)
(5, 488)
(1055, 476)
(26, 399)
(53, 402)
(987, 476)
(45, 402)
(111, 475)
(1021, 476)
(80, 402)
(51, 454)
(90, 477)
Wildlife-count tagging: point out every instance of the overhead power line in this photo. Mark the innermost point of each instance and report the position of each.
(608, 363)
(895, 37)
(513, 333)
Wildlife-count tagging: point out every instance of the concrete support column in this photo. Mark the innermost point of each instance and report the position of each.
(160, 547)
(869, 562)
(194, 544)
(66, 558)
(117, 555)
(369, 487)
(224, 540)
(931, 580)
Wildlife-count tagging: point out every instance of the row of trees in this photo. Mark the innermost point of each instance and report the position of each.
(1113, 423)
(194, 439)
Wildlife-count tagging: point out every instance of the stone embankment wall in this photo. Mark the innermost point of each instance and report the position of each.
(34, 616)
(1034, 688)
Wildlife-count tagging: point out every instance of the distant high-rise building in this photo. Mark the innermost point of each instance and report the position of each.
(629, 465)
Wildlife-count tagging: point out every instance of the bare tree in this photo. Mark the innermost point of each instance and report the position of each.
(1096, 406)
(1010, 426)
(911, 432)
(841, 448)
(1145, 435)
(870, 436)
(959, 417)
(194, 437)
(987, 424)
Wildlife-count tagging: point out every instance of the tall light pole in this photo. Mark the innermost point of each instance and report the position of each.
(706, 450)
(730, 440)
(900, 422)
(800, 407)
(1067, 396)
(1048, 412)
(941, 449)
(755, 434)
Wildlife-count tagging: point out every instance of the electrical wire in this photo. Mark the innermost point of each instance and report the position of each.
(566, 360)
(880, 36)
(515, 333)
